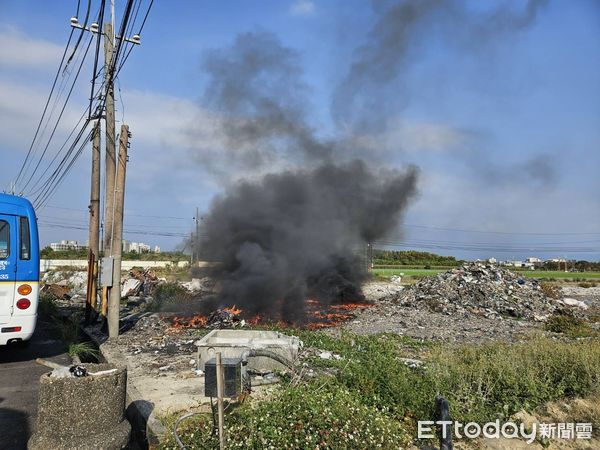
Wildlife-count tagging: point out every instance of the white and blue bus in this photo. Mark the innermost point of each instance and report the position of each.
(19, 269)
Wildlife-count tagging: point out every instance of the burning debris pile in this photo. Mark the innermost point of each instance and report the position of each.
(316, 316)
(483, 290)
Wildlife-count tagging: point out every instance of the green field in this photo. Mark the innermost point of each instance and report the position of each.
(406, 272)
(562, 275)
(409, 272)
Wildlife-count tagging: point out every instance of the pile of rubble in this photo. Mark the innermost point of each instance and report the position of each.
(484, 290)
(67, 287)
(140, 283)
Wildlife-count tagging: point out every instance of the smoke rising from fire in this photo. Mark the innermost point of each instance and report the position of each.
(363, 100)
(296, 232)
(299, 232)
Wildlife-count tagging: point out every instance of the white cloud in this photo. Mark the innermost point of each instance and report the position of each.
(302, 8)
(21, 105)
(17, 49)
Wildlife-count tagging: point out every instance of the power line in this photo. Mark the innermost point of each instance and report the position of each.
(96, 56)
(139, 33)
(85, 22)
(497, 232)
(43, 223)
(132, 215)
(53, 184)
(498, 248)
(45, 108)
(59, 118)
(33, 190)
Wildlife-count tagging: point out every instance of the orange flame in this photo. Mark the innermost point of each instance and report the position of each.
(233, 310)
(319, 316)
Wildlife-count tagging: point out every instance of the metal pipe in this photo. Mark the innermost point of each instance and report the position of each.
(269, 354)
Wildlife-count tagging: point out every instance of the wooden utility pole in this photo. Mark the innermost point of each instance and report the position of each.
(117, 237)
(94, 231)
(110, 159)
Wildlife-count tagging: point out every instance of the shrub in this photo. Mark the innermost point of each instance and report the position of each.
(587, 284)
(316, 415)
(83, 350)
(167, 296)
(569, 325)
(498, 379)
(46, 305)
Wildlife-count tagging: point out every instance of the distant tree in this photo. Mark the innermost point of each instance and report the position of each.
(412, 258)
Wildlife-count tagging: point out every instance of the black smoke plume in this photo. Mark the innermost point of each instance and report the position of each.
(297, 232)
(300, 232)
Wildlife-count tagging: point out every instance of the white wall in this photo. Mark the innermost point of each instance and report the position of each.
(46, 264)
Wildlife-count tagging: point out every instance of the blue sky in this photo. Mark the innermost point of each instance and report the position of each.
(504, 123)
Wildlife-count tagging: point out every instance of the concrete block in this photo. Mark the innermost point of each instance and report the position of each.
(233, 343)
(82, 413)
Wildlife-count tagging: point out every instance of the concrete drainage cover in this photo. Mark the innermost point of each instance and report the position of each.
(233, 343)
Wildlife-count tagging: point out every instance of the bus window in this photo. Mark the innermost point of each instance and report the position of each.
(25, 238)
(4, 239)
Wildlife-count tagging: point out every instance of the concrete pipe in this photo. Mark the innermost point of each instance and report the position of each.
(82, 413)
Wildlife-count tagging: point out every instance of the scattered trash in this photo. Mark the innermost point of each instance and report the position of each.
(57, 291)
(485, 290)
(223, 318)
(325, 355)
(198, 285)
(573, 302)
(78, 371)
(130, 287)
(412, 363)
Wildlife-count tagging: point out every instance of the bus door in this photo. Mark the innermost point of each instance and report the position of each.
(8, 265)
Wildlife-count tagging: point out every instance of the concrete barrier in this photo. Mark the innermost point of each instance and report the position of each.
(82, 413)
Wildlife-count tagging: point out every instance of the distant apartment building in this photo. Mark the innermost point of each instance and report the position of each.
(137, 247)
(64, 246)
(521, 264)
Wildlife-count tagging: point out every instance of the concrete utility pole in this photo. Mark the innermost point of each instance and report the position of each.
(110, 159)
(94, 231)
(197, 239)
(117, 238)
(111, 188)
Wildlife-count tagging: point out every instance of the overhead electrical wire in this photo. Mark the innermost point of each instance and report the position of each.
(498, 232)
(85, 22)
(40, 159)
(34, 189)
(500, 248)
(50, 185)
(139, 33)
(62, 86)
(96, 56)
(134, 215)
(58, 177)
(45, 109)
